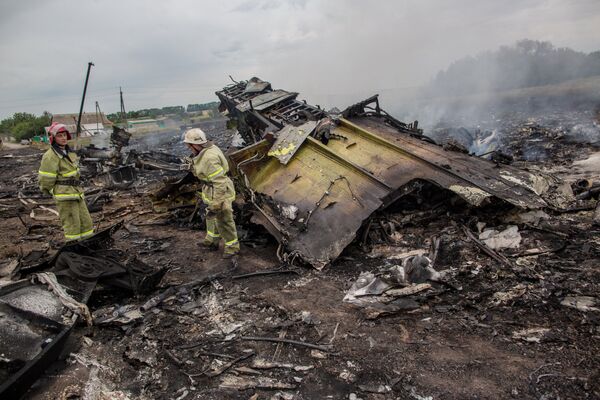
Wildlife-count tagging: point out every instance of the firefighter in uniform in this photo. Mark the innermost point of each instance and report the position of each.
(210, 166)
(59, 177)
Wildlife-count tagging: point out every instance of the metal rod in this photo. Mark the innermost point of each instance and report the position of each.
(487, 250)
(263, 273)
(325, 348)
(123, 113)
(87, 77)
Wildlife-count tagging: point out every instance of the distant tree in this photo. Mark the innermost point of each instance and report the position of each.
(527, 63)
(173, 110)
(24, 125)
(114, 117)
(160, 112)
(213, 105)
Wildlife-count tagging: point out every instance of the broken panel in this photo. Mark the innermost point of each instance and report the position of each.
(289, 140)
(314, 191)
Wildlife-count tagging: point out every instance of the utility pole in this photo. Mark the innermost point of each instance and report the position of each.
(123, 113)
(98, 114)
(87, 77)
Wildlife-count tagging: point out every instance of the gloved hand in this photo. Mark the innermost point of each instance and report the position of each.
(186, 164)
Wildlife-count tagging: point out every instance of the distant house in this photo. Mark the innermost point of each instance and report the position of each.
(145, 123)
(167, 122)
(91, 123)
(93, 129)
(201, 116)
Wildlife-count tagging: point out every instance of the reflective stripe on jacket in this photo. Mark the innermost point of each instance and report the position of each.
(56, 168)
(211, 167)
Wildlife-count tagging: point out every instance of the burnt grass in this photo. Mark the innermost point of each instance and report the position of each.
(460, 342)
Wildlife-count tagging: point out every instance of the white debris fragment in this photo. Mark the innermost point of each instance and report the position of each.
(531, 335)
(260, 363)
(360, 288)
(366, 285)
(48, 278)
(282, 396)
(242, 383)
(394, 252)
(511, 294)
(347, 376)
(219, 317)
(8, 269)
(375, 388)
(318, 354)
(530, 217)
(237, 140)
(290, 212)
(480, 226)
(582, 303)
(472, 194)
(510, 238)
(417, 396)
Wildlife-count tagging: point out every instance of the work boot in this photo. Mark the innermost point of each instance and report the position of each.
(234, 263)
(212, 246)
(230, 255)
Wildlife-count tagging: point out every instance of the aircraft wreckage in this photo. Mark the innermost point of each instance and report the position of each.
(315, 177)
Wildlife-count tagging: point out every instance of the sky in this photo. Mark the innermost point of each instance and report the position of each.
(334, 52)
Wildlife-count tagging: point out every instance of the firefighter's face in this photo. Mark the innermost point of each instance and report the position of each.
(61, 138)
(194, 148)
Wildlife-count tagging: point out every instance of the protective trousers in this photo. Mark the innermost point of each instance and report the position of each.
(75, 219)
(220, 223)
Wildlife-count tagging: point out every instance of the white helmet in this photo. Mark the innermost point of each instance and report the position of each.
(195, 136)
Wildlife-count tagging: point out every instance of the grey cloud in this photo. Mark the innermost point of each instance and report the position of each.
(234, 47)
(249, 6)
(246, 6)
(332, 51)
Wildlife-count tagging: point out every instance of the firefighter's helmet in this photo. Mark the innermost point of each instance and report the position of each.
(55, 128)
(195, 136)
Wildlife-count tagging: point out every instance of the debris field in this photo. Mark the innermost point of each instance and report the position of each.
(429, 274)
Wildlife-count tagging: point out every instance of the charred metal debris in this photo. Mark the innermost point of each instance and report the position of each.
(316, 177)
(39, 310)
(114, 168)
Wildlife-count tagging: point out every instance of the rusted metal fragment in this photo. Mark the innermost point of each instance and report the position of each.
(119, 177)
(266, 100)
(472, 194)
(332, 197)
(398, 158)
(313, 197)
(176, 193)
(263, 117)
(256, 85)
(289, 140)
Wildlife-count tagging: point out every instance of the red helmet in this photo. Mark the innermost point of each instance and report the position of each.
(55, 128)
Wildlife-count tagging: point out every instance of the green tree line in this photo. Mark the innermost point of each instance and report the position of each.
(23, 125)
(526, 63)
(161, 112)
(200, 107)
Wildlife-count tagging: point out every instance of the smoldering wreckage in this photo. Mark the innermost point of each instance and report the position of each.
(448, 275)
